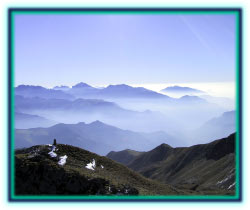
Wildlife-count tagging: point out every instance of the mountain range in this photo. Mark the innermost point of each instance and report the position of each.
(39, 91)
(89, 110)
(154, 141)
(96, 137)
(113, 91)
(80, 105)
(135, 109)
(208, 167)
(83, 90)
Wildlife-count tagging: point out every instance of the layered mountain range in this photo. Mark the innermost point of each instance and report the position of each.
(208, 168)
(96, 137)
(149, 132)
(124, 107)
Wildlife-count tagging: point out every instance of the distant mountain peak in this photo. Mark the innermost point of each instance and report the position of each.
(81, 85)
(29, 87)
(120, 86)
(163, 146)
(177, 88)
(97, 122)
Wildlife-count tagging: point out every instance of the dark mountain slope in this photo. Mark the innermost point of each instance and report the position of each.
(124, 157)
(206, 167)
(39, 173)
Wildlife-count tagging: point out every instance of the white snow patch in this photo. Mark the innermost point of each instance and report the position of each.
(62, 160)
(222, 181)
(52, 153)
(102, 166)
(226, 179)
(231, 186)
(91, 166)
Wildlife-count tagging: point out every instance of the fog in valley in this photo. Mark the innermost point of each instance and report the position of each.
(153, 118)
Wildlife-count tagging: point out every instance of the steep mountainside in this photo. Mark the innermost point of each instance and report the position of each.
(64, 169)
(96, 137)
(125, 156)
(206, 168)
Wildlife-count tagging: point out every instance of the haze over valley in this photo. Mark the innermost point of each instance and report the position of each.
(154, 117)
(127, 103)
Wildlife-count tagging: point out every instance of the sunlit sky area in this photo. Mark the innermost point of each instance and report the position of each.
(141, 50)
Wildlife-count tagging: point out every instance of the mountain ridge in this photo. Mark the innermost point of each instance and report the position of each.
(42, 92)
(97, 137)
(37, 172)
(205, 167)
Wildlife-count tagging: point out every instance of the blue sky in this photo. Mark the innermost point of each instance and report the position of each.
(134, 49)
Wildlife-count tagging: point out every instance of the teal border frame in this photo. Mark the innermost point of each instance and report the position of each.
(118, 11)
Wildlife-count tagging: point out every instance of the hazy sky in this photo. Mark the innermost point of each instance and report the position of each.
(134, 49)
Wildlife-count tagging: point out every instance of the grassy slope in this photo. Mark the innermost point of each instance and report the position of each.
(198, 168)
(124, 156)
(42, 167)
